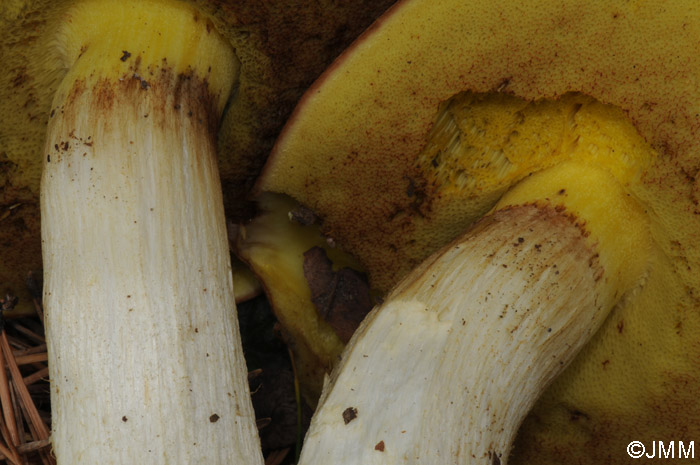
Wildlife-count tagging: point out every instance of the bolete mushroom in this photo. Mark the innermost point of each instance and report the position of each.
(145, 358)
(444, 111)
(144, 353)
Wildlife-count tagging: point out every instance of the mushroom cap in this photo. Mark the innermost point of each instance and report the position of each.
(282, 47)
(358, 131)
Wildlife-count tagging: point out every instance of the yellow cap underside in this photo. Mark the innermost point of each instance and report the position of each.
(147, 35)
(483, 142)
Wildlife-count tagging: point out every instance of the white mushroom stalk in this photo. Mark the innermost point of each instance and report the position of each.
(447, 368)
(145, 357)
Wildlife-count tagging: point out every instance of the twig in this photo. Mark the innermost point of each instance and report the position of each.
(263, 422)
(276, 457)
(254, 373)
(31, 358)
(29, 447)
(17, 409)
(297, 392)
(39, 310)
(37, 376)
(8, 455)
(9, 450)
(29, 333)
(27, 402)
(6, 402)
(18, 344)
(35, 290)
(45, 456)
(29, 350)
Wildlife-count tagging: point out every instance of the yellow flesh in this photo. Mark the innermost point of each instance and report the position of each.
(481, 144)
(245, 285)
(274, 247)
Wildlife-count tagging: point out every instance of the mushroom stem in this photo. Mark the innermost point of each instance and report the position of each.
(145, 357)
(447, 368)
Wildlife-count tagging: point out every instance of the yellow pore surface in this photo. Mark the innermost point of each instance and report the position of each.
(358, 130)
